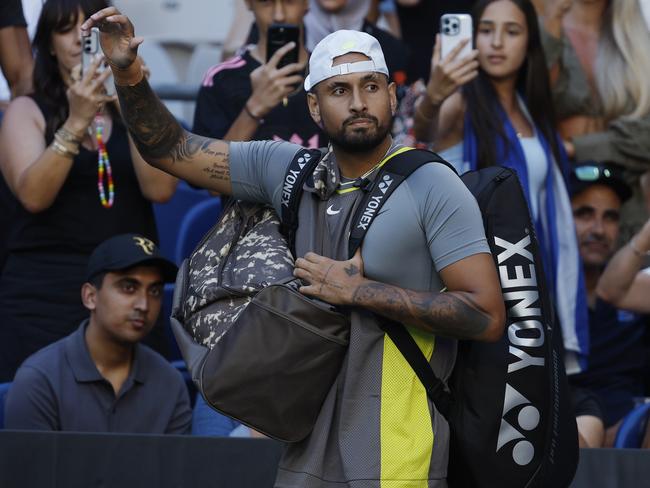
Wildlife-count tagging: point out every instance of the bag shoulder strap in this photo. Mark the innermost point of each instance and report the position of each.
(407, 346)
(302, 165)
(392, 173)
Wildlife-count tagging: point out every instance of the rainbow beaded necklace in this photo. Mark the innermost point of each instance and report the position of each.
(103, 165)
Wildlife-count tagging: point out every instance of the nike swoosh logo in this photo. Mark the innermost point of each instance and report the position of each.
(331, 211)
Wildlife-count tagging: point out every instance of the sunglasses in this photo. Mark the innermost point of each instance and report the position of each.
(592, 172)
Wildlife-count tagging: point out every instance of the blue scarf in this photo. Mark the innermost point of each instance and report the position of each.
(555, 231)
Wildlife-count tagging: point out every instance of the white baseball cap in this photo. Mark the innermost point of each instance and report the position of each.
(337, 44)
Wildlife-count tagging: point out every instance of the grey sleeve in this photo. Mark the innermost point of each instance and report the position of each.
(257, 170)
(31, 403)
(450, 215)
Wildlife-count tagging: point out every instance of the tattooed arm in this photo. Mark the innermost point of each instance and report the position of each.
(471, 308)
(160, 139)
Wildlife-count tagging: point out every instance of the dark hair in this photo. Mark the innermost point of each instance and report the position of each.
(532, 83)
(57, 16)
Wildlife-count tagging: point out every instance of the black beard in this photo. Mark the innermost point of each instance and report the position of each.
(361, 141)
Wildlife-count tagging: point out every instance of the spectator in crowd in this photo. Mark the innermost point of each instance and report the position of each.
(100, 378)
(493, 107)
(597, 51)
(327, 16)
(68, 161)
(15, 49)
(16, 65)
(625, 284)
(617, 355)
(248, 98)
(420, 22)
(377, 405)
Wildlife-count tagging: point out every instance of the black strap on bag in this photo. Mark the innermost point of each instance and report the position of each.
(301, 167)
(390, 176)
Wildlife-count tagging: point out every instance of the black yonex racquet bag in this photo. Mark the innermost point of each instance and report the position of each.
(507, 402)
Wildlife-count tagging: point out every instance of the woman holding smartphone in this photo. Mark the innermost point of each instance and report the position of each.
(494, 107)
(78, 180)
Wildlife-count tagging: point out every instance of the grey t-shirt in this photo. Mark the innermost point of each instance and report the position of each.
(371, 428)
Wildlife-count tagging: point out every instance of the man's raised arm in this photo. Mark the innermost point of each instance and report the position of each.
(161, 140)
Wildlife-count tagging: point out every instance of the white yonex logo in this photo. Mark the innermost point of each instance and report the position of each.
(526, 336)
(292, 177)
(528, 418)
(385, 183)
(331, 211)
(374, 203)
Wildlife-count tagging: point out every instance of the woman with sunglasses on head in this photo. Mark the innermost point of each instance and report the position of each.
(493, 107)
(597, 51)
(77, 179)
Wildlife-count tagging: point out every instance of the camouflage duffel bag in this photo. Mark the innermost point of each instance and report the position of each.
(257, 349)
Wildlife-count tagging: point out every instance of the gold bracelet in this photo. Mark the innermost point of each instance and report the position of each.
(74, 149)
(636, 251)
(61, 150)
(68, 136)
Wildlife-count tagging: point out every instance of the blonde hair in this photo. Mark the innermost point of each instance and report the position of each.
(623, 63)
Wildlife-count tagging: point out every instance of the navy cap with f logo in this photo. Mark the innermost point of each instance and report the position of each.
(126, 251)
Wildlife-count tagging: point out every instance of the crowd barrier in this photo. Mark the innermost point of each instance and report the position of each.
(80, 460)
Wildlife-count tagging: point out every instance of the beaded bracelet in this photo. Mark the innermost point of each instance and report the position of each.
(259, 120)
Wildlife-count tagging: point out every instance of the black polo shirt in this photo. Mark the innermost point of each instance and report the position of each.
(60, 388)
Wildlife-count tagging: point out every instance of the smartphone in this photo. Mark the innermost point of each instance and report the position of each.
(89, 49)
(455, 28)
(278, 36)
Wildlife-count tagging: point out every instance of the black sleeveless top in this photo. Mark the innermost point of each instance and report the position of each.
(76, 221)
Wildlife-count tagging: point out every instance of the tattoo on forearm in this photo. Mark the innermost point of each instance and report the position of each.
(154, 129)
(452, 314)
(219, 171)
(157, 134)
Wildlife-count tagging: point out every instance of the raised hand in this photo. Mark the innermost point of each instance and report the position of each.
(448, 74)
(271, 85)
(86, 95)
(117, 37)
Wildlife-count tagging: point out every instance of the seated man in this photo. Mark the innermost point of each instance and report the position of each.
(99, 378)
(614, 376)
